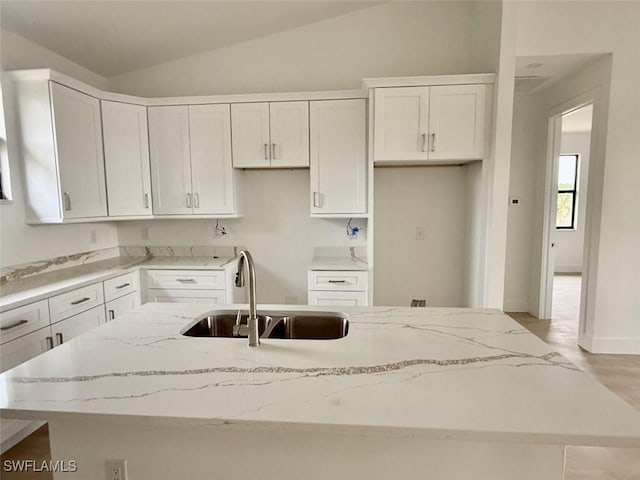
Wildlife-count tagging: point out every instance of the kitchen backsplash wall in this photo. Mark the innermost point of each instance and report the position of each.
(276, 228)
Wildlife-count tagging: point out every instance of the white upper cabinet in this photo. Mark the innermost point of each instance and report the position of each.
(211, 169)
(190, 149)
(59, 135)
(272, 134)
(338, 157)
(429, 124)
(170, 154)
(126, 156)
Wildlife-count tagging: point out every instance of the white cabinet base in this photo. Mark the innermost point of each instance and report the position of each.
(338, 299)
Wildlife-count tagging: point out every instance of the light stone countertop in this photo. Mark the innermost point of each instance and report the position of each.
(38, 287)
(338, 263)
(459, 374)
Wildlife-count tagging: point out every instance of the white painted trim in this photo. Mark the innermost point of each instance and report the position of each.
(516, 305)
(610, 345)
(568, 268)
(473, 78)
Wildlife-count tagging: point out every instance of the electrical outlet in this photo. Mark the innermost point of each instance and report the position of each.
(418, 302)
(145, 233)
(116, 469)
(419, 233)
(93, 236)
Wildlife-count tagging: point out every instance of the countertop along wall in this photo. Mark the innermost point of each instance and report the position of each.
(19, 242)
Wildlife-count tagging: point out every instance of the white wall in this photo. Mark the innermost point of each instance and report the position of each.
(435, 199)
(612, 320)
(276, 228)
(393, 39)
(570, 243)
(20, 242)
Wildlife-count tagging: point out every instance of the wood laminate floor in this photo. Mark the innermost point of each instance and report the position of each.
(619, 373)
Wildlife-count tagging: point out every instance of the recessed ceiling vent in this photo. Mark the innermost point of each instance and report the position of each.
(528, 83)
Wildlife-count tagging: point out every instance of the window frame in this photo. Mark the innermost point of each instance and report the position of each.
(574, 194)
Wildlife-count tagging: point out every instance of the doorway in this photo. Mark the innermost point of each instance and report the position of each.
(565, 216)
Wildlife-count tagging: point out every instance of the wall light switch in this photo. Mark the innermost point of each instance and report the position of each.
(514, 201)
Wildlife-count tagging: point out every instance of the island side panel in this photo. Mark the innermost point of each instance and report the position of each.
(214, 452)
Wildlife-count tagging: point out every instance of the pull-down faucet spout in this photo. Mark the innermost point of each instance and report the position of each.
(252, 321)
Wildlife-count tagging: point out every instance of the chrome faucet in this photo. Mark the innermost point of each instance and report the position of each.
(252, 321)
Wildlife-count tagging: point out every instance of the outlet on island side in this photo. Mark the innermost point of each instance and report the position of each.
(116, 469)
(145, 233)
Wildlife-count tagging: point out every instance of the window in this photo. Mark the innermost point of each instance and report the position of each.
(567, 192)
(5, 186)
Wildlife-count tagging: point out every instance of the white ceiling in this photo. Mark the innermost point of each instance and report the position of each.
(551, 69)
(113, 37)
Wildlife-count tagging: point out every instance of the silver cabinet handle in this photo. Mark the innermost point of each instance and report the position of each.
(316, 199)
(82, 300)
(59, 338)
(188, 200)
(123, 285)
(196, 200)
(49, 343)
(67, 201)
(266, 151)
(112, 314)
(337, 281)
(273, 151)
(424, 142)
(433, 143)
(146, 200)
(186, 280)
(14, 325)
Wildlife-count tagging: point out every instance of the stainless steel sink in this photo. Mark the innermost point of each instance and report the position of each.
(282, 325)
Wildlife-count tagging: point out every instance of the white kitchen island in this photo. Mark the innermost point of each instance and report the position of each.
(408, 393)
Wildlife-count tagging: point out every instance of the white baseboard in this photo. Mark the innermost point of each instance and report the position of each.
(610, 345)
(515, 305)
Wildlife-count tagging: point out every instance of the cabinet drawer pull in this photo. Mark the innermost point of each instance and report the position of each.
(196, 200)
(186, 280)
(146, 200)
(14, 325)
(424, 142)
(337, 281)
(266, 151)
(60, 338)
(67, 201)
(433, 143)
(82, 300)
(188, 200)
(123, 285)
(273, 151)
(49, 343)
(112, 314)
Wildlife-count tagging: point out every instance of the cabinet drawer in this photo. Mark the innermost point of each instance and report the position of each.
(188, 296)
(338, 280)
(338, 299)
(120, 286)
(23, 320)
(71, 303)
(186, 279)
(77, 325)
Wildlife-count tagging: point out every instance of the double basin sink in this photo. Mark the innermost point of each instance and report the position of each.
(281, 325)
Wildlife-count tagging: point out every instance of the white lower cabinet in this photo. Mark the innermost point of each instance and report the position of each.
(76, 325)
(210, 286)
(115, 308)
(343, 288)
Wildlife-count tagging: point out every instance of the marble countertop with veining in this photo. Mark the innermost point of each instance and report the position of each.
(38, 287)
(338, 263)
(435, 373)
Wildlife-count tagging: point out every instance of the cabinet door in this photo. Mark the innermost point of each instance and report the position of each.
(456, 122)
(338, 299)
(211, 168)
(250, 139)
(126, 157)
(20, 350)
(170, 160)
(289, 127)
(401, 123)
(72, 327)
(78, 134)
(120, 306)
(338, 157)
